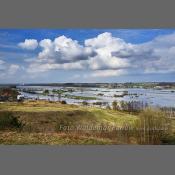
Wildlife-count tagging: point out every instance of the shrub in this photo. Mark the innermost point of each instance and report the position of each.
(151, 118)
(152, 125)
(8, 94)
(108, 107)
(168, 140)
(46, 92)
(63, 102)
(97, 103)
(85, 103)
(100, 94)
(8, 121)
(114, 105)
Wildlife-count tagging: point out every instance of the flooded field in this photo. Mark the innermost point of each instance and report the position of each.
(77, 95)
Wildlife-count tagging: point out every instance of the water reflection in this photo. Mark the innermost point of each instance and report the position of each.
(152, 97)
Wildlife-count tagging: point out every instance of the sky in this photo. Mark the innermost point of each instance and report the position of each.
(87, 55)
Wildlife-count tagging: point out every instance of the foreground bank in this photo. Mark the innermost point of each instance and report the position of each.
(43, 122)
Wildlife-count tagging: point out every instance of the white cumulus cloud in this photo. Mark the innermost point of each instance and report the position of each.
(13, 68)
(8, 70)
(108, 73)
(30, 44)
(105, 55)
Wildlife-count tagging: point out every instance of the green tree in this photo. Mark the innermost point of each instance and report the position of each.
(85, 103)
(46, 92)
(114, 105)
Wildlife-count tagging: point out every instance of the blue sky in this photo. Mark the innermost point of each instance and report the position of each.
(86, 55)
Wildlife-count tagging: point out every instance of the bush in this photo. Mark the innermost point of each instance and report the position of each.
(100, 94)
(114, 105)
(152, 126)
(108, 107)
(46, 92)
(97, 103)
(8, 94)
(8, 121)
(63, 102)
(168, 140)
(85, 103)
(153, 118)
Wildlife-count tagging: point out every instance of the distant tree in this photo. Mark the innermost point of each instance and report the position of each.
(63, 102)
(59, 96)
(124, 106)
(46, 91)
(108, 107)
(100, 94)
(85, 103)
(8, 94)
(114, 105)
(54, 91)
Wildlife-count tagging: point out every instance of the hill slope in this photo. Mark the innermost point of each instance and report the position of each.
(45, 118)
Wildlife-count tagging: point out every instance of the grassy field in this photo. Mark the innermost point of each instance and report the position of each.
(41, 122)
(52, 111)
(16, 138)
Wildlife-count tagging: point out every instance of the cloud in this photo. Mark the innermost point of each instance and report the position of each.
(104, 45)
(13, 68)
(156, 56)
(65, 53)
(2, 62)
(108, 73)
(106, 40)
(7, 70)
(62, 53)
(43, 67)
(29, 44)
(63, 50)
(2, 65)
(106, 55)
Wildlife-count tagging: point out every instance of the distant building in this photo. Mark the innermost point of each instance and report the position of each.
(20, 97)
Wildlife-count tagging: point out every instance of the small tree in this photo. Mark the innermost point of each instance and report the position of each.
(114, 105)
(63, 102)
(108, 107)
(85, 103)
(152, 124)
(46, 92)
(123, 106)
(59, 96)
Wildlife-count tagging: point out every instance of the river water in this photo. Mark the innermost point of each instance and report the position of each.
(153, 97)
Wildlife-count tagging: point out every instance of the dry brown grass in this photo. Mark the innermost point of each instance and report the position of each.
(15, 138)
(41, 119)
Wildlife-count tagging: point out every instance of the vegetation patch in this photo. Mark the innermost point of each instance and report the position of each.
(8, 121)
(15, 138)
(8, 94)
(80, 97)
(42, 122)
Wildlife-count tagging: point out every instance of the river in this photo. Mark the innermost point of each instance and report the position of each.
(153, 97)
